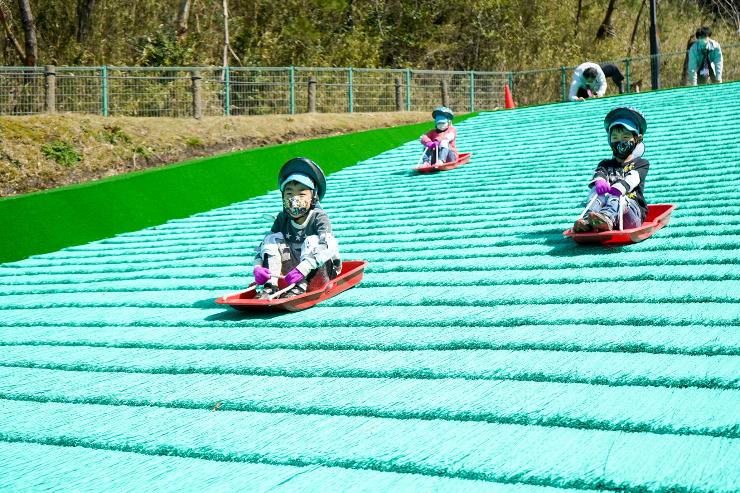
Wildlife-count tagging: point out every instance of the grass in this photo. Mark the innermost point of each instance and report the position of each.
(46, 221)
(41, 152)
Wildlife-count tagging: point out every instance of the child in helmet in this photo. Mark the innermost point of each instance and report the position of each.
(300, 244)
(440, 141)
(622, 176)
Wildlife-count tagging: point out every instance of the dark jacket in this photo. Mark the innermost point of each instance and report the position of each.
(628, 177)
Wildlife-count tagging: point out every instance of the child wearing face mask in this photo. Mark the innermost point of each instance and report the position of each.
(300, 244)
(621, 176)
(440, 141)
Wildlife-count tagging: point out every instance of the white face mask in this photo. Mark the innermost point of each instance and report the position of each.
(442, 126)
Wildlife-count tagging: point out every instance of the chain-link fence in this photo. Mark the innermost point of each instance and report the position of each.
(213, 91)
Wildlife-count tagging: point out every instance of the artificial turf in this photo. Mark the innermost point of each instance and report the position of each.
(483, 351)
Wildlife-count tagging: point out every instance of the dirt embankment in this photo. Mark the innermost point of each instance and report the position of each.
(47, 151)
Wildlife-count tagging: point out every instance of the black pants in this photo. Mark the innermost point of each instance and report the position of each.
(611, 70)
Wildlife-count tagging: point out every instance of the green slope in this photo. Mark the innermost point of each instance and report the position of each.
(46, 221)
(483, 351)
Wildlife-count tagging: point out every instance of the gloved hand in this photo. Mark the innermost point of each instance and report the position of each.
(431, 144)
(261, 274)
(294, 277)
(615, 191)
(601, 186)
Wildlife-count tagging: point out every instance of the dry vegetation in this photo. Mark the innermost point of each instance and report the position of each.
(46, 151)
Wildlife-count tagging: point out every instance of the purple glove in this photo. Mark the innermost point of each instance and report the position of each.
(431, 144)
(615, 191)
(261, 274)
(294, 277)
(601, 186)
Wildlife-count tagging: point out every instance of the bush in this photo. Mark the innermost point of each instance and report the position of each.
(62, 152)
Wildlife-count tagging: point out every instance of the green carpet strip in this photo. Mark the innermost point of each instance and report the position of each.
(482, 351)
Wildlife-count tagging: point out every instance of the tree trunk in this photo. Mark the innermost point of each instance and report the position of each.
(5, 20)
(606, 29)
(183, 14)
(226, 32)
(578, 15)
(637, 25)
(84, 19)
(29, 29)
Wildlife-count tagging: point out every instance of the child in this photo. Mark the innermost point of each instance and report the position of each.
(622, 176)
(300, 244)
(440, 141)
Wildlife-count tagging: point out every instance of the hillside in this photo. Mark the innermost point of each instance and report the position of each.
(483, 351)
(48, 151)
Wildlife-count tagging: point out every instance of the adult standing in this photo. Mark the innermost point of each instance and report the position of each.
(588, 82)
(705, 59)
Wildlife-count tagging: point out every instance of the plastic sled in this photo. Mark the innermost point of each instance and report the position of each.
(463, 158)
(317, 292)
(657, 216)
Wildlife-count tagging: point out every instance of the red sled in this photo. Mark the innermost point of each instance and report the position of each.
(351, 275)
(463, 158)
(657, 216)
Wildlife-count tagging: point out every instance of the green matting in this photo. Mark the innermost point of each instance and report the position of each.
(483, 351)
(45, 221)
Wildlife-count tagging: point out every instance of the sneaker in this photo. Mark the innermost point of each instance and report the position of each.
(296, 290)
(600, 222)
(581, 226)
(267, 290)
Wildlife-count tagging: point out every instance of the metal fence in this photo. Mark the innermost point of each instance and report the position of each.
(213, 91)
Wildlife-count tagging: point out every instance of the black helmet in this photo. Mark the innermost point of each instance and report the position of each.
(306, 167)
(626, 114)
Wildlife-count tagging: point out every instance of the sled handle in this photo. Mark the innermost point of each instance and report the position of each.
(622, 200)
(281, 292)
(591, 200)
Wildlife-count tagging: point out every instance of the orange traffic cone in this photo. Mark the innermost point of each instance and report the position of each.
(509, 101)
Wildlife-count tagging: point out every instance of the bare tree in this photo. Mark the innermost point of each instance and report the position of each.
(606, 29)
(634, 29)
(29, 30)
(7, 21)
(84, 19)
(578, 14)
(729, 9)
(183, 13)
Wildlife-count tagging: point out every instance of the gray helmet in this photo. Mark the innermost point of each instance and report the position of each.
(443, 110)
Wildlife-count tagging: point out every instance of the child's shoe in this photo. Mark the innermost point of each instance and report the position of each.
(600, 222)
(267, 290)
(581, 226)
(296, 290)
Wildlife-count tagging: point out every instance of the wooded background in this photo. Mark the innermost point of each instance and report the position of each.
(422, 34)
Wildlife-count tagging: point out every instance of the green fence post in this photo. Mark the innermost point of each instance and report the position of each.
(408, 89)
(349, 89)
(292, 90)
(227, 91)
(472, 91)
(627, 75)
(563, 82)
(104, 88)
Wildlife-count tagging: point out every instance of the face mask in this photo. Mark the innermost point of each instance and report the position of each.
(296, 207)
(623, 149)
(442, 126)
